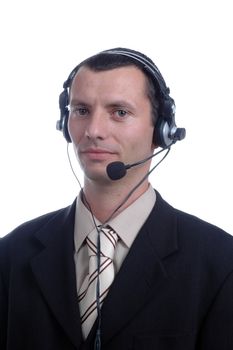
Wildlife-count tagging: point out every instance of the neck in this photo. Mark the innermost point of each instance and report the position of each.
(103, 199)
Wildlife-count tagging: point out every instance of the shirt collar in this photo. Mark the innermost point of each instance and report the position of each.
(126, 224)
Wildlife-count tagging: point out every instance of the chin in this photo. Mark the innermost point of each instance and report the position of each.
(98, 176)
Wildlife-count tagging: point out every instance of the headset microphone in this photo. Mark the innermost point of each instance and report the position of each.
(117, 170)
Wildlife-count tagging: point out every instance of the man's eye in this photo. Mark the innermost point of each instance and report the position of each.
(121, 113)
(82, 111)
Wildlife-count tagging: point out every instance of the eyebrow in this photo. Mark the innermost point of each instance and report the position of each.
(114, 104)
(76, 102)
(121, 103)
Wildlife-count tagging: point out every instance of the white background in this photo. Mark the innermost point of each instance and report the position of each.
(41, 41)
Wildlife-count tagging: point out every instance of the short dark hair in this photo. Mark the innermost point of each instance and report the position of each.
(104, 61)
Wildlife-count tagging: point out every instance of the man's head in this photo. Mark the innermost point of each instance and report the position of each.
(111, 59)
(110, 120)
(162, 105)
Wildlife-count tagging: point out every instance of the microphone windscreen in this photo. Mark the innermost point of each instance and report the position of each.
(180, 134)
(116, 170)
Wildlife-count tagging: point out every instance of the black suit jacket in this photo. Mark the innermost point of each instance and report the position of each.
(174, 290)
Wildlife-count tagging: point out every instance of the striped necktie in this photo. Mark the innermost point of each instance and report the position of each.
(87, 295)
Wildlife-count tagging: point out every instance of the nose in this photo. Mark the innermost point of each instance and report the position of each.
(97, 126)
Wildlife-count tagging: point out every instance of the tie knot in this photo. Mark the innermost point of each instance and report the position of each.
(107, 239)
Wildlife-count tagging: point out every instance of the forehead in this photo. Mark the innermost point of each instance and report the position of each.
(122, 79)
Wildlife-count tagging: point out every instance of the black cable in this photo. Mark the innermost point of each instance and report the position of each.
(97, 345)
(139, 184)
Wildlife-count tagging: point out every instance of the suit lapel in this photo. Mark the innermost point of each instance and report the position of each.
(54, 271)
(143, 270)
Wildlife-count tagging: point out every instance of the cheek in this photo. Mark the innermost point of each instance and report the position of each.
(74, 131)
(142, 137)
(139, 142)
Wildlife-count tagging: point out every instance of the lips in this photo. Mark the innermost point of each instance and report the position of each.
(96, 153)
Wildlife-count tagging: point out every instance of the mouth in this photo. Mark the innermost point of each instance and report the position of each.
(97, 154)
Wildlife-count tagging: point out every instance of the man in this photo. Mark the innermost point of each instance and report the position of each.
(170, 274)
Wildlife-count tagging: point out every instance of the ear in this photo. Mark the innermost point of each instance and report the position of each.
(154, 144)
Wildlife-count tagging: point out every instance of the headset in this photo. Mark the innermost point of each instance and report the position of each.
(166, 132)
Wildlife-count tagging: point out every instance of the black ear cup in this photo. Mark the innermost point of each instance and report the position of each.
(166, 134)
(161, 135)
(165, 127)
(65, 128)
(62, 123)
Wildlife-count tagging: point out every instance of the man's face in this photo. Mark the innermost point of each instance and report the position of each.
(110, 119)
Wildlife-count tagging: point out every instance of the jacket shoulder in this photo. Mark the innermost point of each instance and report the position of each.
(193, 224)
(197, 236)
(28, 228)
(190, 223)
